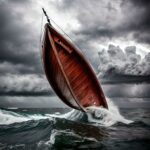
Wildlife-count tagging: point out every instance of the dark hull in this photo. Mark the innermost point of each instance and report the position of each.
(69, 74)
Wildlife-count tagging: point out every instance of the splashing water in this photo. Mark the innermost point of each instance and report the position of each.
(99, 115)
(106, 117)
(94, 115)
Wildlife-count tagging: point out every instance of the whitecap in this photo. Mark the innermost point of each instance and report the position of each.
(106, 117)
(9, 117)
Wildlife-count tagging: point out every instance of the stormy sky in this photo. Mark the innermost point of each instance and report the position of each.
(112, 34)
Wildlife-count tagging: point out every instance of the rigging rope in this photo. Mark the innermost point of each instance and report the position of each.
(41, 28)
(40, 43)
(64, 33)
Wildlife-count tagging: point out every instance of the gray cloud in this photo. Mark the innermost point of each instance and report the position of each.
(19, 39)
(139, 20)
(127, 90)
(127, 63)
(20, 30)
(27, 85)
(107, 20)
(131, 102)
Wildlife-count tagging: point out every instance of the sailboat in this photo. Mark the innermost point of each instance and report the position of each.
(68, 71)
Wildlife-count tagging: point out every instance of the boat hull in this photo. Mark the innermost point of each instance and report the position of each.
(69, 73)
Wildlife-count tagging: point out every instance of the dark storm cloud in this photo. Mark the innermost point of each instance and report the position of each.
(115, 78)
(106, 20)
(140, 25)
(145, 3)
(27, 94)
(18, 38)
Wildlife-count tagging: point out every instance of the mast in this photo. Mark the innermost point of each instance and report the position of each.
(48, 20)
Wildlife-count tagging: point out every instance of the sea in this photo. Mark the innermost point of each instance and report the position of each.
(69, 129)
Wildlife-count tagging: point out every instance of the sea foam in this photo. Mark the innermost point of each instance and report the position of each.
(94, 115)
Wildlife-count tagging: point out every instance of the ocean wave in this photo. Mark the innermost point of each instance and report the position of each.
(10, 117)
(96, 115)
(21, 130)
(66, 137)
(106, 117)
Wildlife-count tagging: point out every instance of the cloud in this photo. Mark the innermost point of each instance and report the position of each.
(131, 102)
(26, 85)
(138, 20)
(104, 21)
(127, 90)
(19, 37)
(115, 61)
(10, 68)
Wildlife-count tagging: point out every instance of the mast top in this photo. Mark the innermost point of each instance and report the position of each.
(48, 20)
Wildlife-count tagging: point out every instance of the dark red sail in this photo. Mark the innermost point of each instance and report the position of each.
(69, 73)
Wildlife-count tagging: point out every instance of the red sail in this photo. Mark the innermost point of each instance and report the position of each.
(69, 73)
